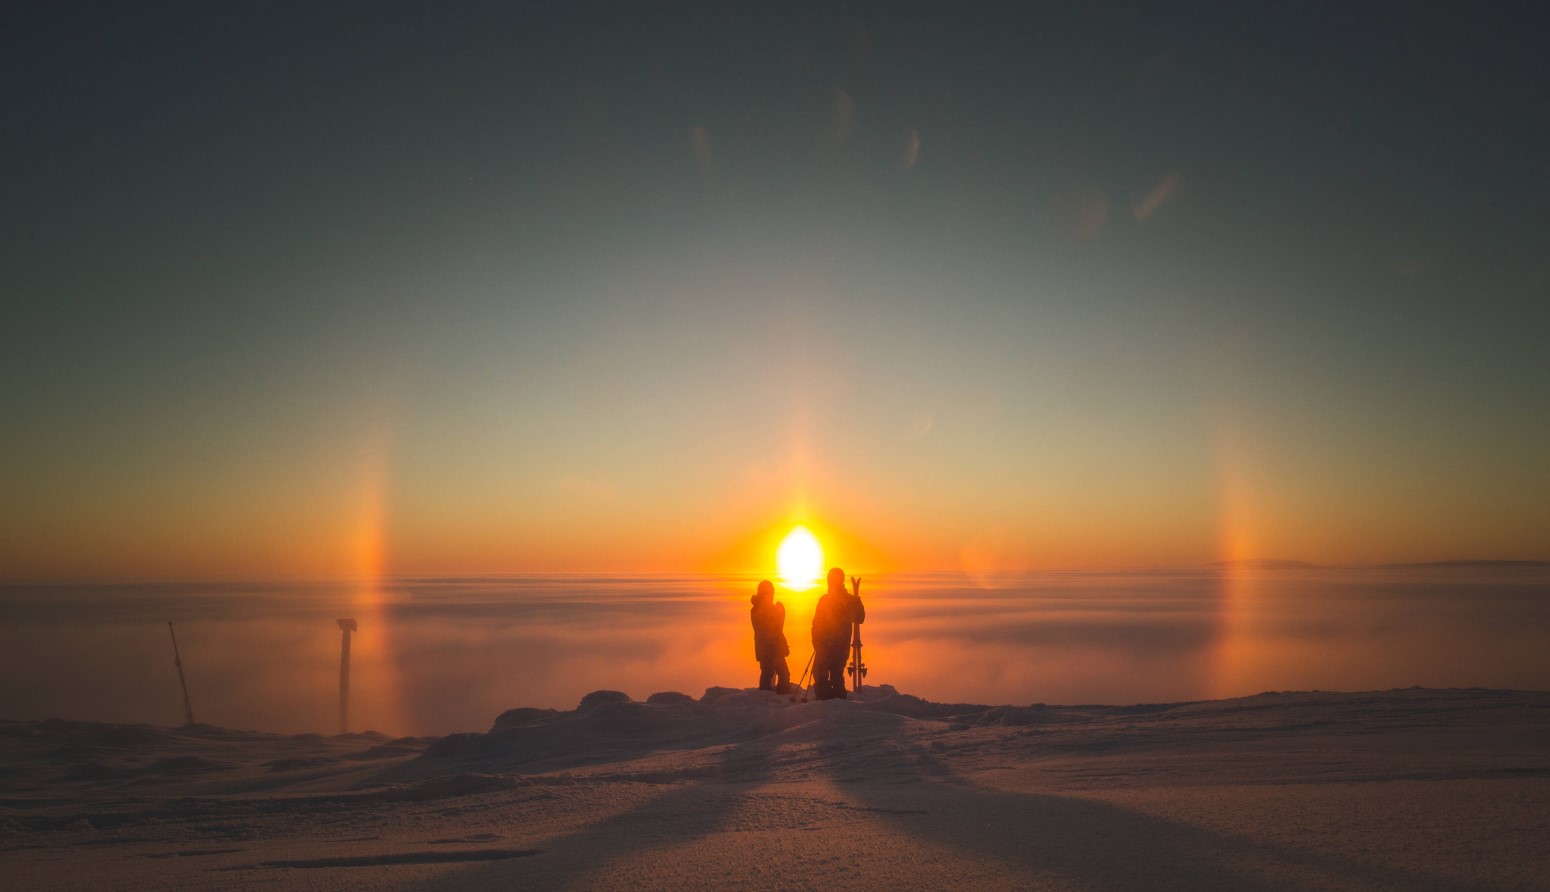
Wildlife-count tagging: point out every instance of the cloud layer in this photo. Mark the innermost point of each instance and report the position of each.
(446, 655)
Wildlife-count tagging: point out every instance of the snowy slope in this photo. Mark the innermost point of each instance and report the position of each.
(1399, 789)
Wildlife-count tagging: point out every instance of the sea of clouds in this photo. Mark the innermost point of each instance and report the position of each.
(440, 655)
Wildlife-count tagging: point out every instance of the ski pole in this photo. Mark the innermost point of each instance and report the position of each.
(801, 681)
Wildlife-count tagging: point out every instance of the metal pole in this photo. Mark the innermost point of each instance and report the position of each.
(177, 660)
(346, 626)
(802, 682)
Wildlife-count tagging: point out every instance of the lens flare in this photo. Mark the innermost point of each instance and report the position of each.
(800, 560)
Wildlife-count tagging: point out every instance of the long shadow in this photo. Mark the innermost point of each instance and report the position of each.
(871, 758)
(1088, 842)
(691, 810)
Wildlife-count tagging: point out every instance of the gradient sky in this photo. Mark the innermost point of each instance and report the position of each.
(290, 291)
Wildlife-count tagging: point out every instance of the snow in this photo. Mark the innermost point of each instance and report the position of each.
(1405, 789)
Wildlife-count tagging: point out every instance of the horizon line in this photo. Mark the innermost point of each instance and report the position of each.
(1243, 563)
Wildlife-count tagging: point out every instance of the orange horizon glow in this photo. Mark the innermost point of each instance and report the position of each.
(376, 698)
(577, 522)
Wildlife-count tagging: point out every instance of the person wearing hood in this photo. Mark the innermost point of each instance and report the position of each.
(769, 639)
(834, 622)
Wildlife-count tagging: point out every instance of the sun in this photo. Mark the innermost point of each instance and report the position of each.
(800, 560)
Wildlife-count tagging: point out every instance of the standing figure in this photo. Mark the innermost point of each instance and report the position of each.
(769, 638)
(838, 613)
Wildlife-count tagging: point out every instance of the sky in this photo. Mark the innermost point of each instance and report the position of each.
(324, 291)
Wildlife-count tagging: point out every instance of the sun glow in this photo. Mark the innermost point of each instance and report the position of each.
(800, 560)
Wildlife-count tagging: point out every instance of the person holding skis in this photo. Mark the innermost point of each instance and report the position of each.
(769, 638)
(834, 620)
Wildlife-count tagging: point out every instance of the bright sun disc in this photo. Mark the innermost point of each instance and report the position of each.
(800, 560)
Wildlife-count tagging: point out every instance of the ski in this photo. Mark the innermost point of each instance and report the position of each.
(857, 668)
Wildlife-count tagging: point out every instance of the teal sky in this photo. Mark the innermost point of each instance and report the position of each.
(621, 287)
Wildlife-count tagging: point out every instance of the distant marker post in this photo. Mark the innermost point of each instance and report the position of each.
(346, 626)
(177, 660)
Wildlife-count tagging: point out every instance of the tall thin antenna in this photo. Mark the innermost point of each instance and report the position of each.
(177, 660)
(346, 626)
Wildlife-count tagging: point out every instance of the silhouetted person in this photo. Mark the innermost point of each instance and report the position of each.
(769, 638)
(838, 613)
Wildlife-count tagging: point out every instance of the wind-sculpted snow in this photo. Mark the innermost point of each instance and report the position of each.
(609, 726)
(747, 789)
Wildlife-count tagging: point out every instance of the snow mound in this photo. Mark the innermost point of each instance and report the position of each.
(522, 715)
(600, 698)
(608, 726)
